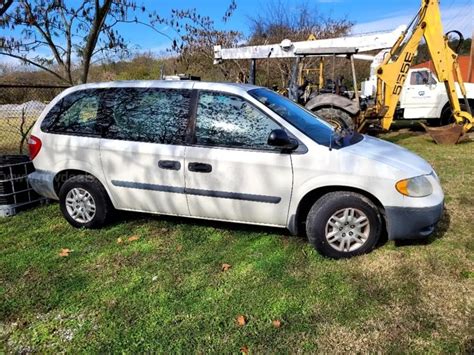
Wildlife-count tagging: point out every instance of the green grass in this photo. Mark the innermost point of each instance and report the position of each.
(166, 291)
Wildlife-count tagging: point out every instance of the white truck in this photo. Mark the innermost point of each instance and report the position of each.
(422, 96)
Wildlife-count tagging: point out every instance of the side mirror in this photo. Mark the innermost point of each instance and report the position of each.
(279, 138)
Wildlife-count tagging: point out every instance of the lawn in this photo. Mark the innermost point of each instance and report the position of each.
(150, 283)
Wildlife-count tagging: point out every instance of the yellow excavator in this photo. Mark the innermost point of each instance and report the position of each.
(392, 74)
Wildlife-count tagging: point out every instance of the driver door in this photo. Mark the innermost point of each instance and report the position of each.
(420, 95)
(231, 173)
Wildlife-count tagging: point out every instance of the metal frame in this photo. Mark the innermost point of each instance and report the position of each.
(10, 209)
(329, 46)
(349, 46)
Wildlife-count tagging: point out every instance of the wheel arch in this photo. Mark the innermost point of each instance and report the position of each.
(298, 219)
(446, 108)
(62, 176)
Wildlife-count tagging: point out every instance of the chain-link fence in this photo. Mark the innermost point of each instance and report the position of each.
(20, 107)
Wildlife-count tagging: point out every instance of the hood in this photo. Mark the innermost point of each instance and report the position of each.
(391, 154)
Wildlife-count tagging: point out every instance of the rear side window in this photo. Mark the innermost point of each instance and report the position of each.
(148, 114)
(76, 114)
(230, 121)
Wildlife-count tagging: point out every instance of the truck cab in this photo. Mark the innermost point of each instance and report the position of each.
(423, 96)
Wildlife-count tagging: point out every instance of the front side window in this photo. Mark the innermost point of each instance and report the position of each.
(76, 113)
(230, 121)
(148, 114)
(422, 77)
(305, 121)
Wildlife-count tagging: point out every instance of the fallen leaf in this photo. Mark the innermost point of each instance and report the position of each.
(244, 349)
(241, 320)
(179, 248)
(164, 230)
(119, 240)
(276, 323)
(133, 238)
(226, 267)
(64, 252)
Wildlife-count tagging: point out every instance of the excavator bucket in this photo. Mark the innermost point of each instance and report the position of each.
(450, 134)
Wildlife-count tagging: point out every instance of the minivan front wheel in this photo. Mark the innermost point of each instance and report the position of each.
(343, 224)
(84, 202)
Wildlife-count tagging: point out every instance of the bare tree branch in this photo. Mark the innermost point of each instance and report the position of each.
(4, 7)
(45, 33)
(87, 29)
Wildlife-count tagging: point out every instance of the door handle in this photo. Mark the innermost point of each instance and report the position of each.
(200, 167)
(169, 164)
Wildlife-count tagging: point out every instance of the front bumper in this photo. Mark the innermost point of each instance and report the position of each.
(43, 183)
(412, 223)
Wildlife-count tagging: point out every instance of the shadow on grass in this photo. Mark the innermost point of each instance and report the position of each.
(124, 216)
(412, 125)
(121, 216)
(440, 231)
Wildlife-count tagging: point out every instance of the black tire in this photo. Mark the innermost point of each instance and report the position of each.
(317, 224)
(103, 206)
(336, 117)
(447, 115)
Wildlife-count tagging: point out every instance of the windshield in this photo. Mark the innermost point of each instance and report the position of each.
(308, 123)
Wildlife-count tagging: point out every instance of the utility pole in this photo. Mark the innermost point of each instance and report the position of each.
(470, 77)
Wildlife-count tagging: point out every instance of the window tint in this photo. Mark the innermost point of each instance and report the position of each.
(148, 115)
(227, 120)
(75, 113)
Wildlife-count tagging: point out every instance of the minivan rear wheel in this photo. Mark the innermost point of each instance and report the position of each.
(84, 202)
(343, 224)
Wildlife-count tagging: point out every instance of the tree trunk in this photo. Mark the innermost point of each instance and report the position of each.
(99, 20)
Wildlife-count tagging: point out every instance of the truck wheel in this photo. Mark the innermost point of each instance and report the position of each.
(447, 114)
(84, 202)
(343, 224)
(336, 117)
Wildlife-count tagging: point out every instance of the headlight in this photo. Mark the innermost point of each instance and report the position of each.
(418, 186)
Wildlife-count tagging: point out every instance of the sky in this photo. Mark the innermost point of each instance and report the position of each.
(367, 15)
